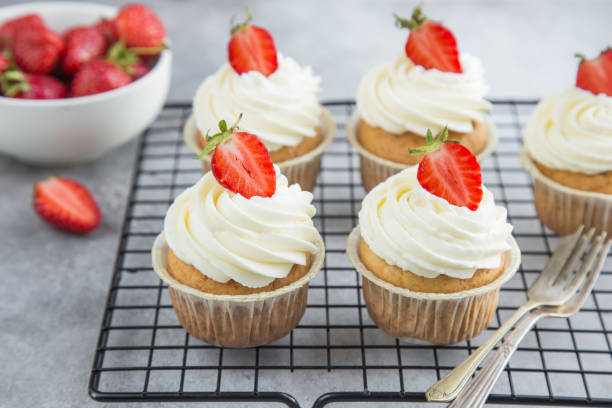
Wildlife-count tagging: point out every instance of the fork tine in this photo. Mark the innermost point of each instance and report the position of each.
(573, 260)
(589, 258)
(560, 257)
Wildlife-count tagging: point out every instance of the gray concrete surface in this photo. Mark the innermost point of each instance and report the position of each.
(54, 284)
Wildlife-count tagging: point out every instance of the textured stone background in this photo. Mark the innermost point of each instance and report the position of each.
(54, 284)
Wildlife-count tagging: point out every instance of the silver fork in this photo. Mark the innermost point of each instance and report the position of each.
(554, 286)
(475, 394)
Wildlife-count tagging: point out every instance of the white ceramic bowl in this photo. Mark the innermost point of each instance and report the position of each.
(73, 130)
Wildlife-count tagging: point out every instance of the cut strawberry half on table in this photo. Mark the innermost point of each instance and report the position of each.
(241, 162)
(251, 48)
(596, 75)
(430, 44)
(450, 171)
(66, 204)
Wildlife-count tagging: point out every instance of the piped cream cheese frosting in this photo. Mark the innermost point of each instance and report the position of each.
(252, 241)
(403, 97)
(281, 109)
(572, 130)
(411, 228)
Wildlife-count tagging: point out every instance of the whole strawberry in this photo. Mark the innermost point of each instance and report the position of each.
(450, 171)
(241, 162)
(252, 48)
(83, 45)
(7, 30)
(98, 76)
(138, 26)
(66, 204)
(596, 75)
(16, 84)
(37, 49)
(430, 44)
(106, 27)
(137, 70)
(5, 62)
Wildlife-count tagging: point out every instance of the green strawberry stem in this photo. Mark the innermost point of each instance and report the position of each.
(12, 82)
(212, 141)
(433, 144)
(241, 26)
(149, 50)
(416, 20)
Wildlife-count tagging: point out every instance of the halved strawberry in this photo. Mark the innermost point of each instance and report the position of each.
(430, 44)
(449, 171)
(251, 48)
(66, 204)
(596, 75)
(241, 162)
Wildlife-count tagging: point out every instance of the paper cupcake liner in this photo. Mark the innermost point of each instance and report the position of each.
(375, 170)
(563, 209)
(436, 318)
(236, 320)
(302, 170)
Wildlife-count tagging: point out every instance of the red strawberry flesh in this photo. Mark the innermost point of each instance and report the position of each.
(596, 75)
(430, 44)
(450, 171)
(252, 48)
(66, 204)
(243, 165)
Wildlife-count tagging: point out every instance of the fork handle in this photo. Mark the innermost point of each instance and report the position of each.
(449, 386)
(475, 394)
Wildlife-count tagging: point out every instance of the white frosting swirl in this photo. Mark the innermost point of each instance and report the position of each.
(402, 96)
(572, 130)
(280, 109)
(416, 231)
(252, 241)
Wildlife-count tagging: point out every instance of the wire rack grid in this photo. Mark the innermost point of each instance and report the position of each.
(336, 354)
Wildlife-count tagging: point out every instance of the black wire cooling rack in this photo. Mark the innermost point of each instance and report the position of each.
(336, 354)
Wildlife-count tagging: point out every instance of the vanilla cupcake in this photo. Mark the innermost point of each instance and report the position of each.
(278, 97)
(431, 268)
(398, 101)
(568, 151)
(237, 254)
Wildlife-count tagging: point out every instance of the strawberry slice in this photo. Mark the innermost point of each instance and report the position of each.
(251, 48)
(66, 204)
(430, 44)
(241, 162)
(450, 171)
(596, 75)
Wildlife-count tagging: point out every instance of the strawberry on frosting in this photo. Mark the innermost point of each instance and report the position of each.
(240, 161)
(251, 48)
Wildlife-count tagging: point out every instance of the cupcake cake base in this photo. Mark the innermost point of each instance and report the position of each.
(563, 209)
(246, 320)
(375, 169)
(436, 318)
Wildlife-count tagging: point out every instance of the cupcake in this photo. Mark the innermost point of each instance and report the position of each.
(239, 247)
(278, 98)
(568, 151)
(433, 249)
(428, 86)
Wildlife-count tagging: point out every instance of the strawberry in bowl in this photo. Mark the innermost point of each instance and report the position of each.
(72, 43)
